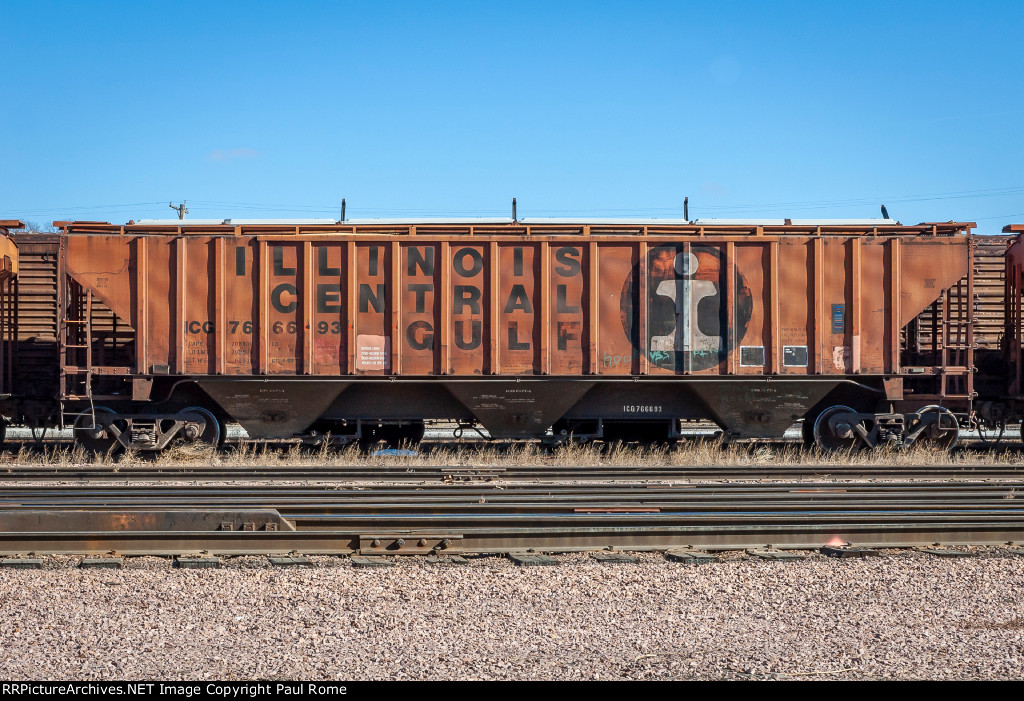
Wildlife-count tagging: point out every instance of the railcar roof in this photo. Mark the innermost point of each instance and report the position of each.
(420, 221)
(531, 226)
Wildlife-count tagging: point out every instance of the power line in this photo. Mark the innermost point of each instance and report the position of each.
(65, 208)
(1001, 216)
(330, 210)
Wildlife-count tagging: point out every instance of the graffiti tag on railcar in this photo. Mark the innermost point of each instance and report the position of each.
(687, 317)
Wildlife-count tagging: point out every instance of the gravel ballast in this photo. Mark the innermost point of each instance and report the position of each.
(904, 616)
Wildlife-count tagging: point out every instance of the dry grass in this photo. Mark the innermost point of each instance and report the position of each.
(693, 453)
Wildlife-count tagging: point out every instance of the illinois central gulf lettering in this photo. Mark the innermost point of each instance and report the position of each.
(466, 299)
(518, 301)
(376, 295)
(567, 259)
(284, 296)
(419, 334)
(328, 294)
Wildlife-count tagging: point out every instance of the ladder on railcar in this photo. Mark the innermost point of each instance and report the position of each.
(944, 337)
(942, 343)
(76, 361)
(957, 349)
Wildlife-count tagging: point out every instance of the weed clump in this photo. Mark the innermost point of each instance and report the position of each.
(458, 453)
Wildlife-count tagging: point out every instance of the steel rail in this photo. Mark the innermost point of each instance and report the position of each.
(495, 495)
(462, 488)
(479, 473)
(137, 520)
(474, 496)
(501, 540)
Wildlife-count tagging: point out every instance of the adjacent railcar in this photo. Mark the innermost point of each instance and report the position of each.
(146, 333)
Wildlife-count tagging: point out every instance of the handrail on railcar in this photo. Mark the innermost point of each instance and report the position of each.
(586, 229)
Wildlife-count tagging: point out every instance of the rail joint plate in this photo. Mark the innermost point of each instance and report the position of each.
(409, 544)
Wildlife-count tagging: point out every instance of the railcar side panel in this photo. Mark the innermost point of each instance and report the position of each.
(617, 328)
(754, 327)
(751, 323)
(211, 305)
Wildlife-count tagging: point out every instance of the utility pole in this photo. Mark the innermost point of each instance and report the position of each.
(180, 209)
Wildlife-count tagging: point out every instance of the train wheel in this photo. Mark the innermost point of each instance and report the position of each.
(92, 436)
(838, 437)
(210, 432)
(944, 432)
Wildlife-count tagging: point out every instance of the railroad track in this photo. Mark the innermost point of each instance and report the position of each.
(484, 473)
(492, 518)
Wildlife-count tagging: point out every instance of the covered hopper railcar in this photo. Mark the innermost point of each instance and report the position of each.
(153, 332)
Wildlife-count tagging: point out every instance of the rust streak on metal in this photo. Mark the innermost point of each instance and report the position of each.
(219, 302)
(731, 337)
(855, 303)
(894, 304)
(545, 308)
(773, 302)
(395, 287)
(593, 274)
(642, 267)
(181, 256)
(308, 307)
(262, 302)
(819, 316)
(446, 306)
(352, 285)
(493, 308)
(142, 303)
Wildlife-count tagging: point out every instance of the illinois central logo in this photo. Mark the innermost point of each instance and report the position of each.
(687, 318)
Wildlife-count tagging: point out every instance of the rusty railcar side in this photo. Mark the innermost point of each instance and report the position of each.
(989, 319)
(988, 301)
(9, 266)
(1014, 315)
(518, 326)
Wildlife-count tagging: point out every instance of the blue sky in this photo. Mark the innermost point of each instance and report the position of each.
(755, 109)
